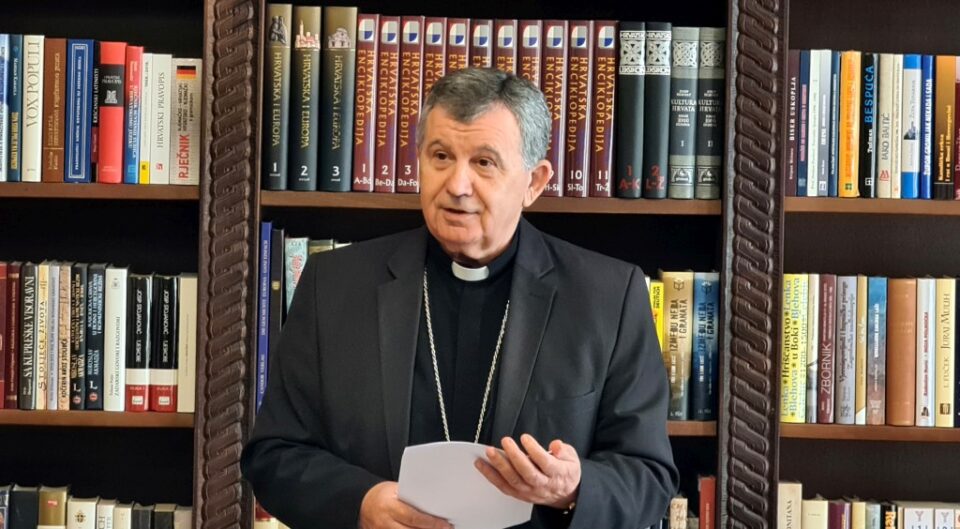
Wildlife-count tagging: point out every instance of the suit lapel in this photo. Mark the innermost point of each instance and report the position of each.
(531, 298)
(398, 308)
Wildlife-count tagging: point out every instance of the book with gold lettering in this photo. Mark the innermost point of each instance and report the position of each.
(604, 94)
(554, 86)
(305, 107)
(677, 351)
(276, 100)
(338, 60)
(365, 99)
(411, 92)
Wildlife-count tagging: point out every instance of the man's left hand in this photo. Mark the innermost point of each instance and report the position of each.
(539, 476)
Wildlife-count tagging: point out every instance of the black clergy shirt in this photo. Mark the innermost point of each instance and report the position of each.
(466, 317)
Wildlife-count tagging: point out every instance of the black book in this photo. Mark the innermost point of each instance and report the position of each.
(276, 98)
(305, 107)
(23, 510)
(683, 112)
(28, 337)
(139, 296)
(96, 278)
(78, 334)
(868, 125)
(629, 108)
(163, 515)
(656, 109)
(338, 63)
(276, 287)
(4, 501)
(163, 354)
(710, 87)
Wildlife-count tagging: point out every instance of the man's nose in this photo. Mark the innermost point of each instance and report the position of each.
(460, 180)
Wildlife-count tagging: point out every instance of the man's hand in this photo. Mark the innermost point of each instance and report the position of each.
(541, 477)
(382, 509)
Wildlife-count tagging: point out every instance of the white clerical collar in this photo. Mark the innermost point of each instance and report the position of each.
(469, 274)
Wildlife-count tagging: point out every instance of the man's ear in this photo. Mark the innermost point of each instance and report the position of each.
(539, 177)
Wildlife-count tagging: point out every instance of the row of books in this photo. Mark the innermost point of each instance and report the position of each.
(869, 350)
(686, 312)
(82, 336)
(681, 515)
(368, 75)
(77, 110)
(872, 125)
(794, 512)
(24, 507)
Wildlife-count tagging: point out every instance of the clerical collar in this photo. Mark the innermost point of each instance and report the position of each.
(464, 273)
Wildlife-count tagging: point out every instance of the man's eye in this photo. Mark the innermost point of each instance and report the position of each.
(486, 163)
(440, 155)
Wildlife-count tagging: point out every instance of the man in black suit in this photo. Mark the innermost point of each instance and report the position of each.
(477, 328)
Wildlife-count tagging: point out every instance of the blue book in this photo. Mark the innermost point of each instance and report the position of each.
(876, 350)
(263, 310)
(833, 174)
(131, 121)
(15, 107)
(705, 345)
(926, 127)
(911, 118)
(79, 109)
(802, 129)
(4, 111)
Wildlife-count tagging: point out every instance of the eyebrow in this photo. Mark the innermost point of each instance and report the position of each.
(493, 153)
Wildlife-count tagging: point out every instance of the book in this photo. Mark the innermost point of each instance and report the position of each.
(481, 44)
(137, 367)
(14, 91)
(4, 105)
(910, 119)
(96, 282)
(81, 513)
(276, 101)
(826, 401)
(793, 350)
(11, 339)
(631, 70)
(27, 399)
(4, 323)
(901, 351)
(834, 125)
(163, 344)
(52, 512)
(677, 346)
(554, 87)
(388, 73)
(793, 122)
(803, 136)
(860, 394)
(457, 49)
(434, 53)
(338, 59)
(579, 108)
(656, 109)
(505, 46)
(185, 153)
(710, 90)
(146, 119)
(133, 93)
(159, 134)
(684, 70)
(305, 107)
(848, 171)
(24, 507)
(529, 56)
(896, 128)
(926, 127)
(187, 343)
(604, 95)
(789, 505)
(263, 309)
(845, 361)
(876, 350)
(867, 156)
(945, 352)
(365, 99)
(115, 338)
(926, 348)
(813, 346)
(54, 89)
(111, 106)
(705, 346)
(78, 334)
(32, 114)
(63, 342)
(79, 104)
(408, 103)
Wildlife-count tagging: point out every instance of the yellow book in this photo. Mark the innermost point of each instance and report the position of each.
(677, 339)
(52, 512)
(793, 367)
(858, 515)
(42, 315)
(860, 398)
(946, 358)
(656, 303)
(849, 168)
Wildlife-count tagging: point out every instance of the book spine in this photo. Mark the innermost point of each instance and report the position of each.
(710, 89)
(803, 135)
(656, 109)
(185, 155)
(146, 118)
(263, 310)
(554, 86)
(602, 103)
(133, 90)
(32, 117)
(95, 111)
(163, 356)
(94, 337)
(54, 89)
(364, 125)
(656, 306)
(629, 109)
(411, 90)
(926, 128)
(885, 136)
(79, 103)
(876, 350)
(305, 110)
(529, 51)
(813, 350)
(112, 78)
(338, 65)
(295, 257)
(41, 362)
(63, 344)
(48, 281)
(4, 108)
(187, 343)
(78, 343)
(827, 345)
(793, 102)
(276, 104)
(946, 356)
(276, 295)
(901, 352)
(434, 52)
(481, 45)
(912, 108)
(867, 162)
(824, 140)
(677, 352)
(845, 363)
(4, 323)
(115, 338)
(926, 352)
(956, 131)
(137, 385)
(848, 170)
(860, 407)
(12, 338)
(683, 112)
(457, 44)
(833, 170)
(896, 128)
(388, 66)
(28, 337)
(579, 111)
(15, 107)
(813, 122)
(793, 370)
(706, 302)
(505, 48)
(159, 134)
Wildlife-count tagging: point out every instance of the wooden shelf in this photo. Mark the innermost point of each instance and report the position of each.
(96, 419)
(838, 432)
(398, 201)
(692, 428)
(98, 191)
(871, 206)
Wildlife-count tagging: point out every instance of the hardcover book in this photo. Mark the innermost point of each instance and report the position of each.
(276, 101)
(306, 106)
(629, 109)
(685, 58)
(656, 110)
(364, 125)
(337, 65)
(579, 108)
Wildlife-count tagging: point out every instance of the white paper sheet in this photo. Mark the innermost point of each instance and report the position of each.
(440, 479)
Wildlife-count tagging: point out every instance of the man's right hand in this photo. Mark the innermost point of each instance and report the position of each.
(382, 509)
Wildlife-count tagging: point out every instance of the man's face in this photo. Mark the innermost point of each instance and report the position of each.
(473, 184)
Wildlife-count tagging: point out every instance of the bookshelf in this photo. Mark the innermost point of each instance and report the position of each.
(89, 419)
(872, 206)
(16, 190)
(838, 432)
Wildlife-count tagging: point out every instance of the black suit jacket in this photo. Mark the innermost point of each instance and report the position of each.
(580, 362)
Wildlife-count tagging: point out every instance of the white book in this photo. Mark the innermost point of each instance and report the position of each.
(187, 344)
(896, 126)
(946, 354)
(910, 123)
(858, 515)
(32, 115)
(115, 339)
(873, 516)
(845, 359)
(53, 336)
(105, 513)
(926, 350)
(146, 116)
(813, 345)
(183, 518)
(162, 84)
(4, 107)
(813, 124)
(826, 103)
(815, 514)
(41, 313)
(863, 304)
(123, 512)
(187, 110)
(884, 124)
(789, 505)
(916, 515)
(81, 513)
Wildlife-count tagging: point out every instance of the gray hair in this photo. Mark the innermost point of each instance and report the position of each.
(468, 93)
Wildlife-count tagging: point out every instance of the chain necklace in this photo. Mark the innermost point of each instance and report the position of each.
(436, 370)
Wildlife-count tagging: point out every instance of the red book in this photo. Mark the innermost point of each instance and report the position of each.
(579, 113)
(481, 45)
(604, 89)
(457, 29)
(113, 56)
(133, 117)
(434, 56)
(505, 48)
(5, 373)
(528, 52)
(554, 87)
(366, 102)
(54, 108)
(828, 331)
(708, 497)
(388, 70)
(11, 356)
(411, 89)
